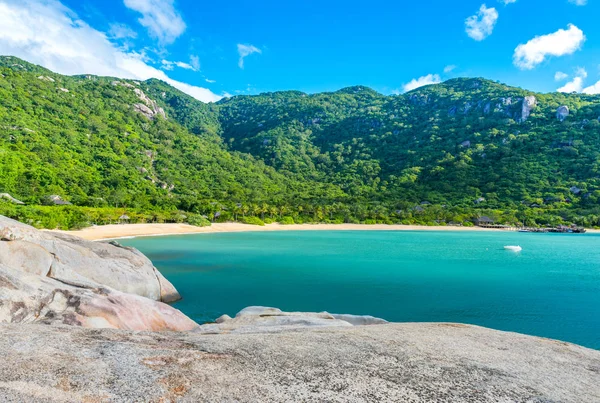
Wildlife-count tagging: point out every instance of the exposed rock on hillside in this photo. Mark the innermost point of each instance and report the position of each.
(11, 199)
(149, 108)
(528, 104)
(46, 78)
(562, 112)
(394, 363)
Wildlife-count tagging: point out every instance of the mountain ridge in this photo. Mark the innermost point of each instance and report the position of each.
(99, 141)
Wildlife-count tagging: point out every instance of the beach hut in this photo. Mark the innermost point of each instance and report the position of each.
(483, 221)
(124, 219)
(57, 200)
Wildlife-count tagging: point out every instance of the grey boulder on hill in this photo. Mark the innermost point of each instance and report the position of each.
(55, 278)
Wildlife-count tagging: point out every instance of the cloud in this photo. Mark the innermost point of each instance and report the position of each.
(576, 85)
(121, 31)
(592, 90)
(47, 33)
(562, 42)
(193, 65)
(195, 62)
(246, 50)
(481, 25)
(210, 81)
(449, 69)
(510, 1)
(421, 81)
(160, 18)
(578, 2)
(559, 76)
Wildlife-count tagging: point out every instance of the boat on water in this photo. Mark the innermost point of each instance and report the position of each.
(513, 248)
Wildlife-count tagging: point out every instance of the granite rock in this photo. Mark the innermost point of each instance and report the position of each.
(78, 262)
(392, 363)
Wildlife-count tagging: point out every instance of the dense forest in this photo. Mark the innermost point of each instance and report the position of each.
(88, 150)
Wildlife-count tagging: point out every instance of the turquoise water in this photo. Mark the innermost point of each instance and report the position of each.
(550, 289)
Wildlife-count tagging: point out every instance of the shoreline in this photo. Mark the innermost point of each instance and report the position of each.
(122, 231)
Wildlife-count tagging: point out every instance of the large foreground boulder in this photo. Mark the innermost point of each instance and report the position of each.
(30, 298)
(75, 261)
(60, 279)
(382, 363)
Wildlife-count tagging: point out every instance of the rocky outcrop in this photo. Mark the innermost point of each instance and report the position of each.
(46, 78)
(53, 303)
(149, 108)
(11, 199)
(562, 113)
(29, 297)
(518, 109)
(387, 363)
(75, 261)
(56, 278)
(260, 319)
(528, 105)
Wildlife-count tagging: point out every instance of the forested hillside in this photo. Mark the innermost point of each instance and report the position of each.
(439, 154)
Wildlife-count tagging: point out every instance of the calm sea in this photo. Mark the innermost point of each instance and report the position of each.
(550, 289)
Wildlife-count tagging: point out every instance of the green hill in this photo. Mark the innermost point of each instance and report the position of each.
(441, 153)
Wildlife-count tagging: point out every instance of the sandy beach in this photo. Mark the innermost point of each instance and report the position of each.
(137, 230)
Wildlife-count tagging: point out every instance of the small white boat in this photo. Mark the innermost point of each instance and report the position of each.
(513, 248)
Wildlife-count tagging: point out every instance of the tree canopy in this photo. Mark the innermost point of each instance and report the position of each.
(442, 153)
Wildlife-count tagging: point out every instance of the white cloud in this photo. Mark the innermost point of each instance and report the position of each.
(449, 69)
(578, 2)
(421, 81)
(195, 62)
(594, 89)
(193, 65)
(509, 1)
(160, 18)
(560, 43)
(47, 33)
(121, 31)
(559, 76)
(246, 50)
(481, 25)
(581, 72)
(576, 85)
(210, 81)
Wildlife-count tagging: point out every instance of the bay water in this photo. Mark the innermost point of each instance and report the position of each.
(551, 288)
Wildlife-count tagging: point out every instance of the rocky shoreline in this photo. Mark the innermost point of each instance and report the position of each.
(87, 321)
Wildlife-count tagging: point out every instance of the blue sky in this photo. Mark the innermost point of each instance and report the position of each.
(310, 45)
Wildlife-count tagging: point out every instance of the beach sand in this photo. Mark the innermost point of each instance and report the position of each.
(135, 230)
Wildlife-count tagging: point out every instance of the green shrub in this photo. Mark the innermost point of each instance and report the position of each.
(253, 221)
(198, 221)
(287, 220)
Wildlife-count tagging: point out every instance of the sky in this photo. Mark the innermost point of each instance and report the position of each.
(217, 49)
